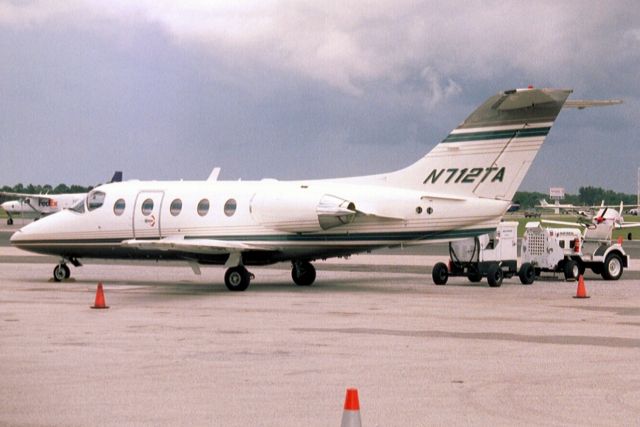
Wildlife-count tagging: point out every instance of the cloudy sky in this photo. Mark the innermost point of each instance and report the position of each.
(304, 89)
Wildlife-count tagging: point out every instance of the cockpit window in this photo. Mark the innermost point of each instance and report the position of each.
(78, 207)
(95, 199)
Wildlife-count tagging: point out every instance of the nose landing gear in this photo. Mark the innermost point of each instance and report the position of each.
(61, 272)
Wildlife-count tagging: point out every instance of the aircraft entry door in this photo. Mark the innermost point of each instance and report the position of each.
(146, 214)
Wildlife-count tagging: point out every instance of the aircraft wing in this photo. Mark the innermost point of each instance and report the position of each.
(25, 195)
(628, 225)
(572, 224)
(200, 246)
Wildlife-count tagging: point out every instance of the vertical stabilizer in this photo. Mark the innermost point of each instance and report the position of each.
(489, 154)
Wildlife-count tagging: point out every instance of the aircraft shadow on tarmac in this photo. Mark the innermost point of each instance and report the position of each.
(185, 288)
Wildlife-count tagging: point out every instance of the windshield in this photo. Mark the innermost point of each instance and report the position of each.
(78, 206)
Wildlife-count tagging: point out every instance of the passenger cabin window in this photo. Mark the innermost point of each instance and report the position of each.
(118, 207)
(176, 207)
(95, 200)
(147, 207)
(203, 207)
(230, 207)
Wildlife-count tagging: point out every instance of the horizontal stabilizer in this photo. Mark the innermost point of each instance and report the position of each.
(581, 104)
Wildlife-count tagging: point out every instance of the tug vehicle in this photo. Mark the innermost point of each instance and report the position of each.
(571, 251)
(492, 255)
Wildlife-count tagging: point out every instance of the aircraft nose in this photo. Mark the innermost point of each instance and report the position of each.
(16, 237)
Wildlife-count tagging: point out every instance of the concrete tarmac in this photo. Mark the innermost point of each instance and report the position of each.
(179, 349)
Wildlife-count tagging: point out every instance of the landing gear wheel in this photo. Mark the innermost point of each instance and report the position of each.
(495, 276)
(440, 273)
(473, 274)
(10, 221)
(237, 279)
(303, 273)
(612, 268)
(61, 272)
(527, 273)
(571, 270)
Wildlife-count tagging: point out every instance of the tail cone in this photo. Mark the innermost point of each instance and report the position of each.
(100, 302)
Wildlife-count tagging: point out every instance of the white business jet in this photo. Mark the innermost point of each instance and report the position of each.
(35, 206)
(460, 189)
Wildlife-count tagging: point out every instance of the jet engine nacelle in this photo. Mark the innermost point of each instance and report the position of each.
(301, 211)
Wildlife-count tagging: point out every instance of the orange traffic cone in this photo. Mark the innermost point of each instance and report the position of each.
(582, 290)
(100, 302)
(351, 414)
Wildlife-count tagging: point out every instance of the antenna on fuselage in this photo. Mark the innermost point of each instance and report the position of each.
(214, 174)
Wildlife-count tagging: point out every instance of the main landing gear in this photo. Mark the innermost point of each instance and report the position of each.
(303, 273)
(238, 278)
(10, 221)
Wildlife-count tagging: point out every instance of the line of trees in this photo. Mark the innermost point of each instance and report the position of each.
(587, 196)
(46, 189)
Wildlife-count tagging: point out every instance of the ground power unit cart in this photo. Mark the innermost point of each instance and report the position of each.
(493, 255)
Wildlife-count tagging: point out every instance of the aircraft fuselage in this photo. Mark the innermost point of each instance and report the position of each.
(281, 220)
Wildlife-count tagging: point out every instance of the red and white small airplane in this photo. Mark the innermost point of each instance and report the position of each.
(38, 205)
(461, 188)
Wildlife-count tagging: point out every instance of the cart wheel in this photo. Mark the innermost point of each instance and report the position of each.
(612, 268)
(440, 273)
(495, 276)
(473, 274)
(571, 269)
(527, 273)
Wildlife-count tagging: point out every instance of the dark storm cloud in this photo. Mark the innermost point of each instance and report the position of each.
(292, 90)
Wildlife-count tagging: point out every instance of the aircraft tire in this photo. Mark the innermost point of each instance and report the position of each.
(303, 273)
(527, 273)
(440, 273)
(61, 272)
(612, 268)
(495, 276)
(10, 221)
(237, 279)
(571, 270)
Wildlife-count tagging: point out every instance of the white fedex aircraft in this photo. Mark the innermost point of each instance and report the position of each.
(39, 205)
(461, 188)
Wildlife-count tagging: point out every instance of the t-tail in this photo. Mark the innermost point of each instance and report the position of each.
(489, 154)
